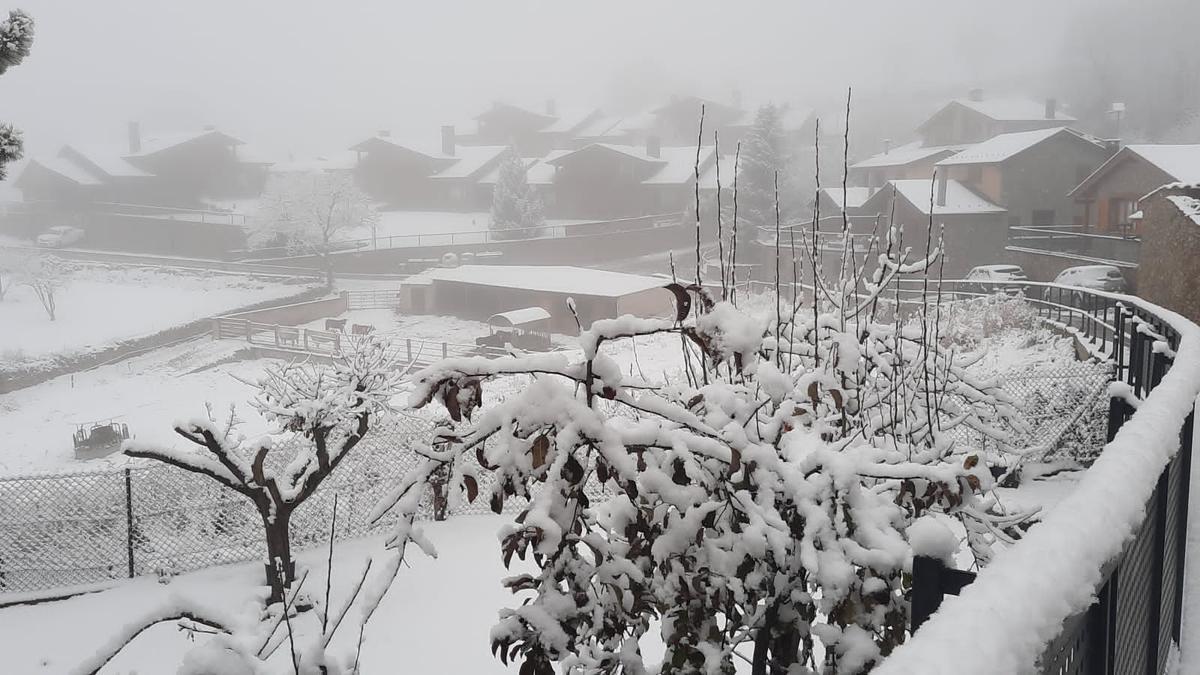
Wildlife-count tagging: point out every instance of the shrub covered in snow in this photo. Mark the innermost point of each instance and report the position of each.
(764, 502)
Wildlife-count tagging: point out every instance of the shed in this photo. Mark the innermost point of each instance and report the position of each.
(527, 328)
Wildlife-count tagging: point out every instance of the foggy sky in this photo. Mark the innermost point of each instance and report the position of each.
(314, 77)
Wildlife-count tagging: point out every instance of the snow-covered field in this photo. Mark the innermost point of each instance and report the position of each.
(100, 306)
(147, 392)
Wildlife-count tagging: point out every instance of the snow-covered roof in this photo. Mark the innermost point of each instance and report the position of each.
(677, 164)
(906, 154)
(564, 280)
(960, 200)
(1005, 146)
(1182, 162)
(1012, 109)
(857, 196)
(538, 170)
(601, 127)
(520, 317)
(680, 165)
(66, 168)
(470, 159)
(155, 144)
(107, 158)
(571, 120)
(1188, 206)
(708, 177)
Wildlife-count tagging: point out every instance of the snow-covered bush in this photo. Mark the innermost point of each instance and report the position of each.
(763, 502)
(967, 322)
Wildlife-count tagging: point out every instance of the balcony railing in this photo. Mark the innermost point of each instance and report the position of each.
(1076, 241)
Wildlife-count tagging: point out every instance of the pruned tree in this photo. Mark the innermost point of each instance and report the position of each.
(16, 40)
(309, 213)
(45, 275)
(516, 209)
(331, 407)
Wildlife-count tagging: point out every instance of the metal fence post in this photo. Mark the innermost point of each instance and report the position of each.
(129, 521)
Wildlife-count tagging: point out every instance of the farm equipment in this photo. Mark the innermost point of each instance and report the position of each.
(97, 439)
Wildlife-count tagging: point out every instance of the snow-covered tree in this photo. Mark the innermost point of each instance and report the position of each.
(332, 407)
(763, 155)
(45, 275)
(760, 501)
(309, 212)
(516, 209)
(16, 39)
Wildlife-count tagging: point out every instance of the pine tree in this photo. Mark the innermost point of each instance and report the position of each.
(763, 154)
(16, 39)
(516, 210)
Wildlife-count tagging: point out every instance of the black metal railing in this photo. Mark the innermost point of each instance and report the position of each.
(1074, 240)
(1138, 609)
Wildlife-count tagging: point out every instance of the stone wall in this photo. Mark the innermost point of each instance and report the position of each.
(1170, 263)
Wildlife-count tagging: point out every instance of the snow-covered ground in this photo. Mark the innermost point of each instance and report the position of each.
(435, 619)
(99, 306)
(147, 392)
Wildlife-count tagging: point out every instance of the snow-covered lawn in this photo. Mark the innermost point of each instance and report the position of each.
(147, 392)
(100, 306)
(435, 619)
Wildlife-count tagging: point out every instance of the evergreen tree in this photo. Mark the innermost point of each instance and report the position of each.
(763, 154)
(516, 210)
(16, 38)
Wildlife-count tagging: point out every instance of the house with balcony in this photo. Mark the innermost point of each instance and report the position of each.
(1109, 196)
(1029, 173)
(412, 175)
(977, 118)
(605, 180)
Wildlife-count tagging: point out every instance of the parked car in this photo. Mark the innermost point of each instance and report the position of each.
(1093, 277)
(59, 236)
(997, 279)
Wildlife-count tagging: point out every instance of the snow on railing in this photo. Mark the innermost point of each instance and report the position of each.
(1019, 604)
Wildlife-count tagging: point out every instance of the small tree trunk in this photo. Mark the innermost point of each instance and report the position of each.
(280, 568)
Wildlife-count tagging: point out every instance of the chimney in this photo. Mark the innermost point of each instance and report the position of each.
(941, 190)
(551, 108)
(1112, 145)
(135, 138)
(384, 133)
(448, 140)
(975, 95)
(1051, 108)
(654, 146)
(887, 145)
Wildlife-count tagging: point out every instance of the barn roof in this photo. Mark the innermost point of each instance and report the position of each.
(563, 280)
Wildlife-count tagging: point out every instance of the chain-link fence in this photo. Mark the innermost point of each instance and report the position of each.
(71, 529)
(1062, 410)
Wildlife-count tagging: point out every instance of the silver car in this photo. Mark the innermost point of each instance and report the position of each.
(59, 236)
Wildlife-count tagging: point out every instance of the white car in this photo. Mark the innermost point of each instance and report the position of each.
(997, 279)
(1094, 277)
(59, 236)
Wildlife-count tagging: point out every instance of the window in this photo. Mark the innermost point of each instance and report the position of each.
(1043, 217)
(1119, 210)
